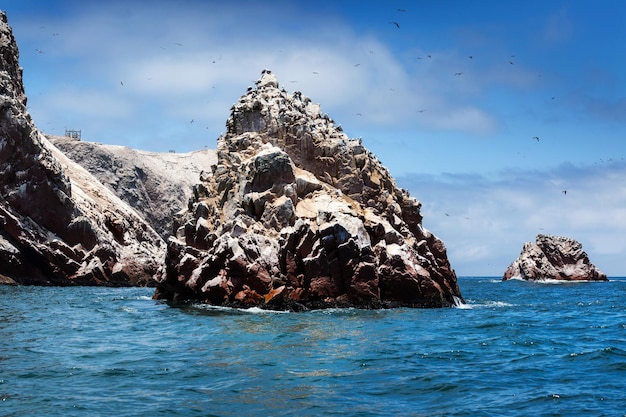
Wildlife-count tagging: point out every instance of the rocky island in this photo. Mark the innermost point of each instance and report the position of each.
(553, 258)
(58, 224)
(296, 215)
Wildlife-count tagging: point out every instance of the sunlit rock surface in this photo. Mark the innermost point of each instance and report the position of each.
(296, 215)
(553, 258)
(156, 184)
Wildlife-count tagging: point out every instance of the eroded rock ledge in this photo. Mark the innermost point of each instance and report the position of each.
(553, 258)
(156, 184)
(296, 215)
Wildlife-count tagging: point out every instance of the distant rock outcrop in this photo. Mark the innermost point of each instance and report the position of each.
(156, 184)
(297, 215)
(58, 224)
(553, 258)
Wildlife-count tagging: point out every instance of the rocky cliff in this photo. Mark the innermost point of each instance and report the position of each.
(58, 224)
(157, 185)
(553, 258)
(297, 215)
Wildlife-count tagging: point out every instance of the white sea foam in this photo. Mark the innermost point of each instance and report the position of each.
(559, 281)
(251, 310)
(497, 304)
(487, 304)
(458, 303)
(549, 281)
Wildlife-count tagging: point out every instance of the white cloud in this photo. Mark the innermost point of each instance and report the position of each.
(172, 61)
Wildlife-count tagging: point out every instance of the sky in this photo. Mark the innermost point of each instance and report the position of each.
(506, 119)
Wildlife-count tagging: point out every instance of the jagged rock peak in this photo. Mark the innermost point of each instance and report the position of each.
(270, 109)
(553, 258)
(295, 213)
(9, 62)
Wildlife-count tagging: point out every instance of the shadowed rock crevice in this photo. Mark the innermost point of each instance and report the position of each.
(297, 215)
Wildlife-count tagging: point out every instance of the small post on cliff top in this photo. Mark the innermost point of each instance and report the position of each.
(74, 134)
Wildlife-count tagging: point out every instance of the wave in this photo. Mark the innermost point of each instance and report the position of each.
(550, 281)
(486, 304)
(468, 306)
(230, 310)
(458, 303)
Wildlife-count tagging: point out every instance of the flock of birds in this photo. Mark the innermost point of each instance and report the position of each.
(396, 25)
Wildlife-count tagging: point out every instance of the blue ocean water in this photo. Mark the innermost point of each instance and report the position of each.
(515, 349)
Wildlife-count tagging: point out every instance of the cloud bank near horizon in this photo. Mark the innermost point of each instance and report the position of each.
(484, 221)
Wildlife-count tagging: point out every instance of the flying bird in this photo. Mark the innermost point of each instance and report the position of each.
(401, 10)
(458, 73)
(536, 138)
(564, 192)
(395, 23)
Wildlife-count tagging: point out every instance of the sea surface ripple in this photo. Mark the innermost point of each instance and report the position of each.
(515, 349)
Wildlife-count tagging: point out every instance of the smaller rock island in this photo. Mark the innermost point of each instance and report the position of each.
(553, 258)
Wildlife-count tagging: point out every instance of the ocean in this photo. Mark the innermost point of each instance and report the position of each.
(514, 349)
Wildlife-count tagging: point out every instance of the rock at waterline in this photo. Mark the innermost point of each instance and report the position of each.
(296, 215)
(553, 258)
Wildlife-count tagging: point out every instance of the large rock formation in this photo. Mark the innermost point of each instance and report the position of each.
(156, 184)
(553, 258)
(297, 215)
(58, 224)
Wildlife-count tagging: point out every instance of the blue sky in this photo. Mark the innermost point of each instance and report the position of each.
(450, 100)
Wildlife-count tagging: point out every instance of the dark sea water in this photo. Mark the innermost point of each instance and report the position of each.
(515, 349)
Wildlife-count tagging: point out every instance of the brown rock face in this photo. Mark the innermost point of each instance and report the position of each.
(58, 224)
(296, 215)
(553, 258)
